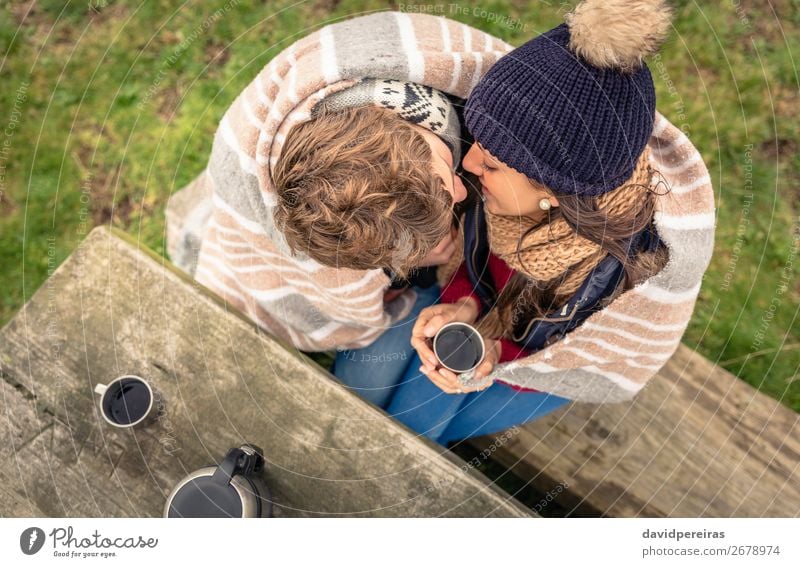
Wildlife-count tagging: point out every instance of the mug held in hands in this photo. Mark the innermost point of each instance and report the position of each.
(459, 347)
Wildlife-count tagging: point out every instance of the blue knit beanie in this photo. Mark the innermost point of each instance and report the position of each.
(573, 109)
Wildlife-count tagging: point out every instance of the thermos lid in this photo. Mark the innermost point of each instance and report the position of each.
(219, 492)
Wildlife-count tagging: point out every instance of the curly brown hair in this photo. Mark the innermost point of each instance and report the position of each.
(356, 189)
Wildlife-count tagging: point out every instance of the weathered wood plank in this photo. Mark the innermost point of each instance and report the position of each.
(20, 424)
(15, 505)
(697, 442)
(113, 309)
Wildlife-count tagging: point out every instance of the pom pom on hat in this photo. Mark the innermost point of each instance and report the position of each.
(618, 34)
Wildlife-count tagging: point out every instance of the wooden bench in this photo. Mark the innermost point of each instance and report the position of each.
(115, 308)
(697, 442)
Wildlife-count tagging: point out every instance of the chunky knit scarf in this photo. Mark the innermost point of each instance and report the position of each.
(551, 248)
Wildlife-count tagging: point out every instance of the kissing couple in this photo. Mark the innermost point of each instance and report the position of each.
(393, 173)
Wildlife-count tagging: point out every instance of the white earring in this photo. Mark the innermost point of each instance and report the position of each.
(544, 204)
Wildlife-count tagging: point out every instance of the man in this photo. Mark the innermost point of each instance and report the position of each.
(369, 182)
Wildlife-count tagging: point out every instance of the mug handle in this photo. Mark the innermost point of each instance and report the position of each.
(100, 389)
(243, 460)
(230, 466)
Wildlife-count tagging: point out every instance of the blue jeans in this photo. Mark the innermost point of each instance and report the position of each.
(444, 418)
(374, 371)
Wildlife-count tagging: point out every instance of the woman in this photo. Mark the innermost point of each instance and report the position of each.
(564, 228)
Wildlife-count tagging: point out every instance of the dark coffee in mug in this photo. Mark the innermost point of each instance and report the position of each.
(459, 347)
(126, 401)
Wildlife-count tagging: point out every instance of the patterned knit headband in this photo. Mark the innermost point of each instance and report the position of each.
(418, 104)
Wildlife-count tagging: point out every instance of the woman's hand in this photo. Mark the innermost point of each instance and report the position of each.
(449, 381)
(433, 318)
(493, 350)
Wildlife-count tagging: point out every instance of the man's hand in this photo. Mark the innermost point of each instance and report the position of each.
(443, 251)
(433, 318)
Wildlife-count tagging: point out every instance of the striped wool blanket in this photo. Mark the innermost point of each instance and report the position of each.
(225, 217)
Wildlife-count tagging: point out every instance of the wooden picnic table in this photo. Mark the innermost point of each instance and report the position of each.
(115, 308)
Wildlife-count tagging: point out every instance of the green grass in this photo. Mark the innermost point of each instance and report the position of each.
(113, 122)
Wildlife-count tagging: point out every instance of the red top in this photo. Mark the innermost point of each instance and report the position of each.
(460, 286)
